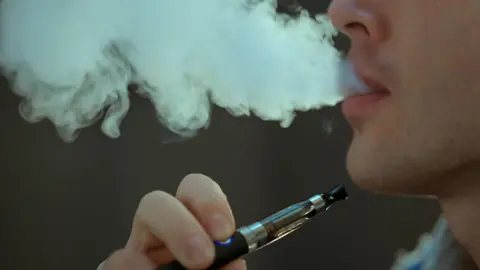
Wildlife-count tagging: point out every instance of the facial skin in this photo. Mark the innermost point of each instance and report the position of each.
(426, 53)
(424, 138)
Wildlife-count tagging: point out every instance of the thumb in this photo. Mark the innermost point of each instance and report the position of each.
(126, 259)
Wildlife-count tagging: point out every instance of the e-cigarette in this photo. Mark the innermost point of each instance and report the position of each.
(260, 234)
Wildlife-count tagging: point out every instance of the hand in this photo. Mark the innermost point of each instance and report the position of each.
(167, 228)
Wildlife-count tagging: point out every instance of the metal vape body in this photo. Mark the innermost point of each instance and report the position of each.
(273, 228)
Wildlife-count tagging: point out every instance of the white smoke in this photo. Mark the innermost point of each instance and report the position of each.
(72, 60)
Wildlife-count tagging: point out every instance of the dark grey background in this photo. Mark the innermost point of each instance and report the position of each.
(68, 206)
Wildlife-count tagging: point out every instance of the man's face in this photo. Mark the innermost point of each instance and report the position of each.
(426, 53)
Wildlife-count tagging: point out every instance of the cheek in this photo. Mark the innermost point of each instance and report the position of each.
(431, 123)
(427, 130)
(381, 151)
(439, 106)
(406, 140)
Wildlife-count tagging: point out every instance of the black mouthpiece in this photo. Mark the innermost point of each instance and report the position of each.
(338, 193)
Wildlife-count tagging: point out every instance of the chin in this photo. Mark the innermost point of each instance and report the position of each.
(378, 183)
(373, 169)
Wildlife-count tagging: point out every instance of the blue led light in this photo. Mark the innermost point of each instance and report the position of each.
(224, 243)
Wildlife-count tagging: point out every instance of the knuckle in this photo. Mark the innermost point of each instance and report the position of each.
(154, 198)
(194, 178)
(198, 184)
(151, 202)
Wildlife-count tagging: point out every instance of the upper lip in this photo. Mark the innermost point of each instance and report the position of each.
(371, 82)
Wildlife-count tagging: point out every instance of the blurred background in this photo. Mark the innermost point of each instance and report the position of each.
(68, 206)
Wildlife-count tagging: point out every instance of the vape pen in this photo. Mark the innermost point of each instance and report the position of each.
(260, 234)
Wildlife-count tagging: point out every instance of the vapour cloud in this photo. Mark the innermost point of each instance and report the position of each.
(71, 61)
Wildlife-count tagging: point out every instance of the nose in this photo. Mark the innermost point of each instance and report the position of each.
(357, 21)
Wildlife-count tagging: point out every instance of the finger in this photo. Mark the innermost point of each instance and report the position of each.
(206, 200)
(127, 260)
(168, 220)
(239, 264)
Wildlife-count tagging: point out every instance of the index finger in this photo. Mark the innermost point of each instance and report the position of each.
(206, 200)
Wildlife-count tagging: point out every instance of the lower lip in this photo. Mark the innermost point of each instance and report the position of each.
(359, 106)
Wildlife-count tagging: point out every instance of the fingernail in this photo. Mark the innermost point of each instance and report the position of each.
(199, 251)
(220, 227)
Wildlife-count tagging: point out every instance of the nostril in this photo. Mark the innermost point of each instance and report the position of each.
(356, 26)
